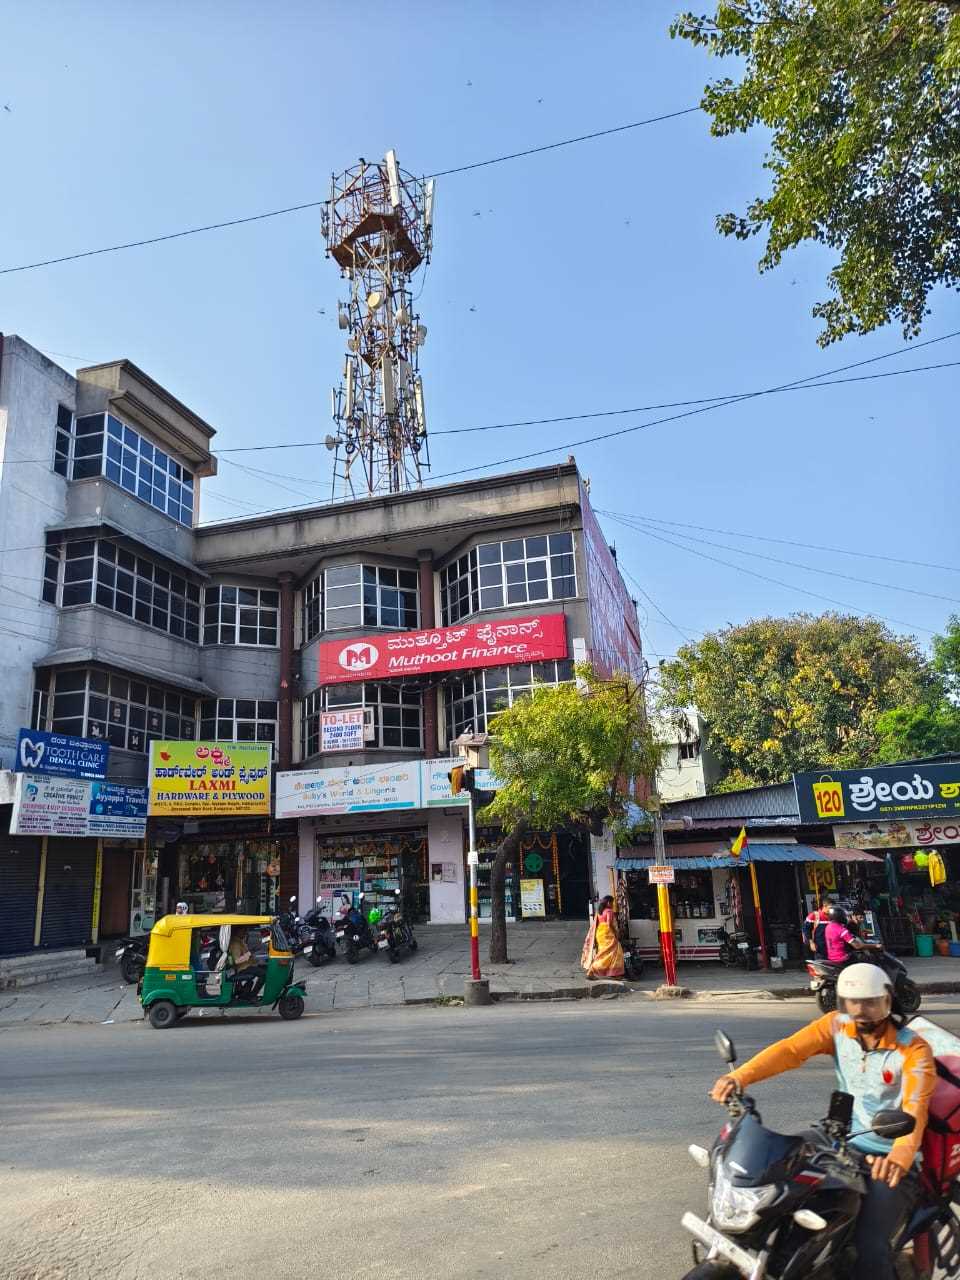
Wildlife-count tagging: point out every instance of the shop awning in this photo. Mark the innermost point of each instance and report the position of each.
(632, 860)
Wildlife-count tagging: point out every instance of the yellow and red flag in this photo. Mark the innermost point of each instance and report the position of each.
(740, 843)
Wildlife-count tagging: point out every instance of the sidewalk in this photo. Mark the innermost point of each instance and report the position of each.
(546, 966)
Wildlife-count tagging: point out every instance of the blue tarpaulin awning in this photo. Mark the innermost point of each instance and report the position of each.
(758, 852)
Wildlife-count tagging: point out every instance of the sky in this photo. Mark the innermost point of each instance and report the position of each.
(586, 279)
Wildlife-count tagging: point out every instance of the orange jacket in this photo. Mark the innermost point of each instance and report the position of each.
(899, 1073)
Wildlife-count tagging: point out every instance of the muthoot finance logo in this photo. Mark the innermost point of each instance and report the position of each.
(359, 656)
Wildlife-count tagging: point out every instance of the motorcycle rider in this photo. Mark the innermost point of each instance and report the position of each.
(814, 928)
(839, 942)
(884, 1065)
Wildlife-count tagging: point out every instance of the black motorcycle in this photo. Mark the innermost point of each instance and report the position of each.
(354, 932)
(784, 1206)
(294, 929)
(323, 938)
(132, 957)
(396, 932)
(736, 949)
(824, 975)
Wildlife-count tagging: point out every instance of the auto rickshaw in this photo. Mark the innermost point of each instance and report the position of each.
(178, 978)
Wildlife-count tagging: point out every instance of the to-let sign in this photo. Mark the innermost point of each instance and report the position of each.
(341, 730)
(506, 642)
(660, 874)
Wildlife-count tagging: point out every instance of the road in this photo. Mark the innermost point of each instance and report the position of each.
(520, 1141)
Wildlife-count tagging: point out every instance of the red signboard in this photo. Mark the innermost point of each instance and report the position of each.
(415, 653)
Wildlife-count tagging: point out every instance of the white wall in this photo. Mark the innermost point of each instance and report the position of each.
(603, 851)
(445, 844)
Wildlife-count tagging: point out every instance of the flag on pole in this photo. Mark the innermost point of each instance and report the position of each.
(740, 843)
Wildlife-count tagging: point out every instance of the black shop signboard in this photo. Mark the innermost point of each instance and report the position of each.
(885, 793)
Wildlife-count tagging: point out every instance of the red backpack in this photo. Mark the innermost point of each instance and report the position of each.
(941, 1140)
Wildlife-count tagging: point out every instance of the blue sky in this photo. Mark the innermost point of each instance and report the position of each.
(589, 278)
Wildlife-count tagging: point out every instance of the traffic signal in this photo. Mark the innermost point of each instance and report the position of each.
(461, 779)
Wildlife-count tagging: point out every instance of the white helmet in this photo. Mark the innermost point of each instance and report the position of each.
(863, 982)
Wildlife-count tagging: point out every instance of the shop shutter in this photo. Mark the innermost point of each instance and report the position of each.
(68, 893)
(19, 876)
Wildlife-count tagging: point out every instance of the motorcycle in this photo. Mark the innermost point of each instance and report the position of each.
(735, 947)
(323, 939)
(784, 1206)
(354, 932)
(132, 957)
(823, 980)
(395, 933)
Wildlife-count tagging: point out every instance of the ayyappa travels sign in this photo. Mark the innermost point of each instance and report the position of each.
(45, 806)
(61, 756)
(412, 653)
(901, 791)
(209, 779)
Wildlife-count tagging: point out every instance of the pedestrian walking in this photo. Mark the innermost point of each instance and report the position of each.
(602, 953)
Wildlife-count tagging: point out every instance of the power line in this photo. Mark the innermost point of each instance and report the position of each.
(316, 204)
(786, 542)
(789, 586)
(791, 564)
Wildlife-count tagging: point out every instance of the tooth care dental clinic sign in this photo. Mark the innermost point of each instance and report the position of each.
(414, 653)
(209, 779)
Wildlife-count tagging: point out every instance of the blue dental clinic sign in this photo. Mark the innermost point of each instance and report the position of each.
(61, 756)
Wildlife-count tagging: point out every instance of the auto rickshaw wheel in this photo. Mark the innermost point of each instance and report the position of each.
(290, 1007)
(162, 1014)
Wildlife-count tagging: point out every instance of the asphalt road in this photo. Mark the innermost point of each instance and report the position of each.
(520, 1141)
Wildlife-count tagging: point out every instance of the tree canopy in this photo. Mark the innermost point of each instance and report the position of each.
(564, 755)
(782, 695)
(862, 101)
(932, 726)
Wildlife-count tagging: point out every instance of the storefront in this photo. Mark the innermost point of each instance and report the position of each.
(377, 864)
(222, 870)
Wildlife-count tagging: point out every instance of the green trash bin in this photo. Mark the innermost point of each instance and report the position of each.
(924, 943)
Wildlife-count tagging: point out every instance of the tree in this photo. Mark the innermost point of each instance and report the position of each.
(563, 756)
(786, 694)
(931, 727)
(862, 98)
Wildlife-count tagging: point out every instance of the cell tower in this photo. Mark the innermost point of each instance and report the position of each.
(378, 225)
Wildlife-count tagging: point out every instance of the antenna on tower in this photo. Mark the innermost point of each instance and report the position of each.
(378, 225)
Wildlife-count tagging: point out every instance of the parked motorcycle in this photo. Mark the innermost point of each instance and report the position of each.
(784, 1206)
(354, 932)
(736, 949)
(823, 980)
(395, 933)
(132, 957)
(323, 938)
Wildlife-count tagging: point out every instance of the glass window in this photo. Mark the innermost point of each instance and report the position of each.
(397, 714)
(312, 608)
(253, 622)
(472, 700)
(77, 703)
(369, 596)
(518, 571)
(240, 720)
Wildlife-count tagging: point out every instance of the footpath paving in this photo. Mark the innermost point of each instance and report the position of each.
(545, 965)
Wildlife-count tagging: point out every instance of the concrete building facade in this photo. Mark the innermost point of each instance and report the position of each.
(126, 621)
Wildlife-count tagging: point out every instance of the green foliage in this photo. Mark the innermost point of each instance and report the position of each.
(564, 753)
(786, 694)
(862, 101)
(931, 727)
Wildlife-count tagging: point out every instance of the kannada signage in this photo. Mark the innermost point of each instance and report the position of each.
(928, 791)
(341, 730)
(61, 756)
(896, 835)
(310, 792)
(414, 653)
(209, 779)
(662, 874)
(614, 626)
(45, 806)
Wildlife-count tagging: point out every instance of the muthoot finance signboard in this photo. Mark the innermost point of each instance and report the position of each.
(209, 779)
(413, 653)
(928, 791)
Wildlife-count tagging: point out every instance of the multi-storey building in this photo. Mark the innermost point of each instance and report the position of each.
(127, 622)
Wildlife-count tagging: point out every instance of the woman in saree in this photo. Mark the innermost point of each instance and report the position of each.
(602, 953)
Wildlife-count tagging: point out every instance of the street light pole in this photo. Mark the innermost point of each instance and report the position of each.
(668, 946)
(473, 861)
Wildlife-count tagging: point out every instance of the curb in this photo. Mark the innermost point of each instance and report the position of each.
(597, 991)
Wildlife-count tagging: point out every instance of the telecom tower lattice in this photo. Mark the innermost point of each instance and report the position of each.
(378, 225)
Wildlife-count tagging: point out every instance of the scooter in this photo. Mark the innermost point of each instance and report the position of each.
(823, 980)
(735, 947)
(784, 1207)
(132, 957)
(323, 939)
(395, 933)
(353, 931)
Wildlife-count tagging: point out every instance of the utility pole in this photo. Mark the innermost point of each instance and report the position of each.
(473, 861)
(668, 945)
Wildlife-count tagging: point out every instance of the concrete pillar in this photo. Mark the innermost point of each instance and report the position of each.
(285, 726)
(428, 619)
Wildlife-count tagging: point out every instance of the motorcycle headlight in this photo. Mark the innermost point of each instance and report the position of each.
(737, 1208)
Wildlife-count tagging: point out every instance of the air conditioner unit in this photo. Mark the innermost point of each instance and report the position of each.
(369, 731)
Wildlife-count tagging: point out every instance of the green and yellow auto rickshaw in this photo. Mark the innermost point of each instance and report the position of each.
(209, 962)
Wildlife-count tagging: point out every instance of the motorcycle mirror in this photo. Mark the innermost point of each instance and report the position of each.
(293, 897)
(725, 1047)
(893, 1124)
(396, 893)
(362, 896)
(809, 1220)
(319, 900)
